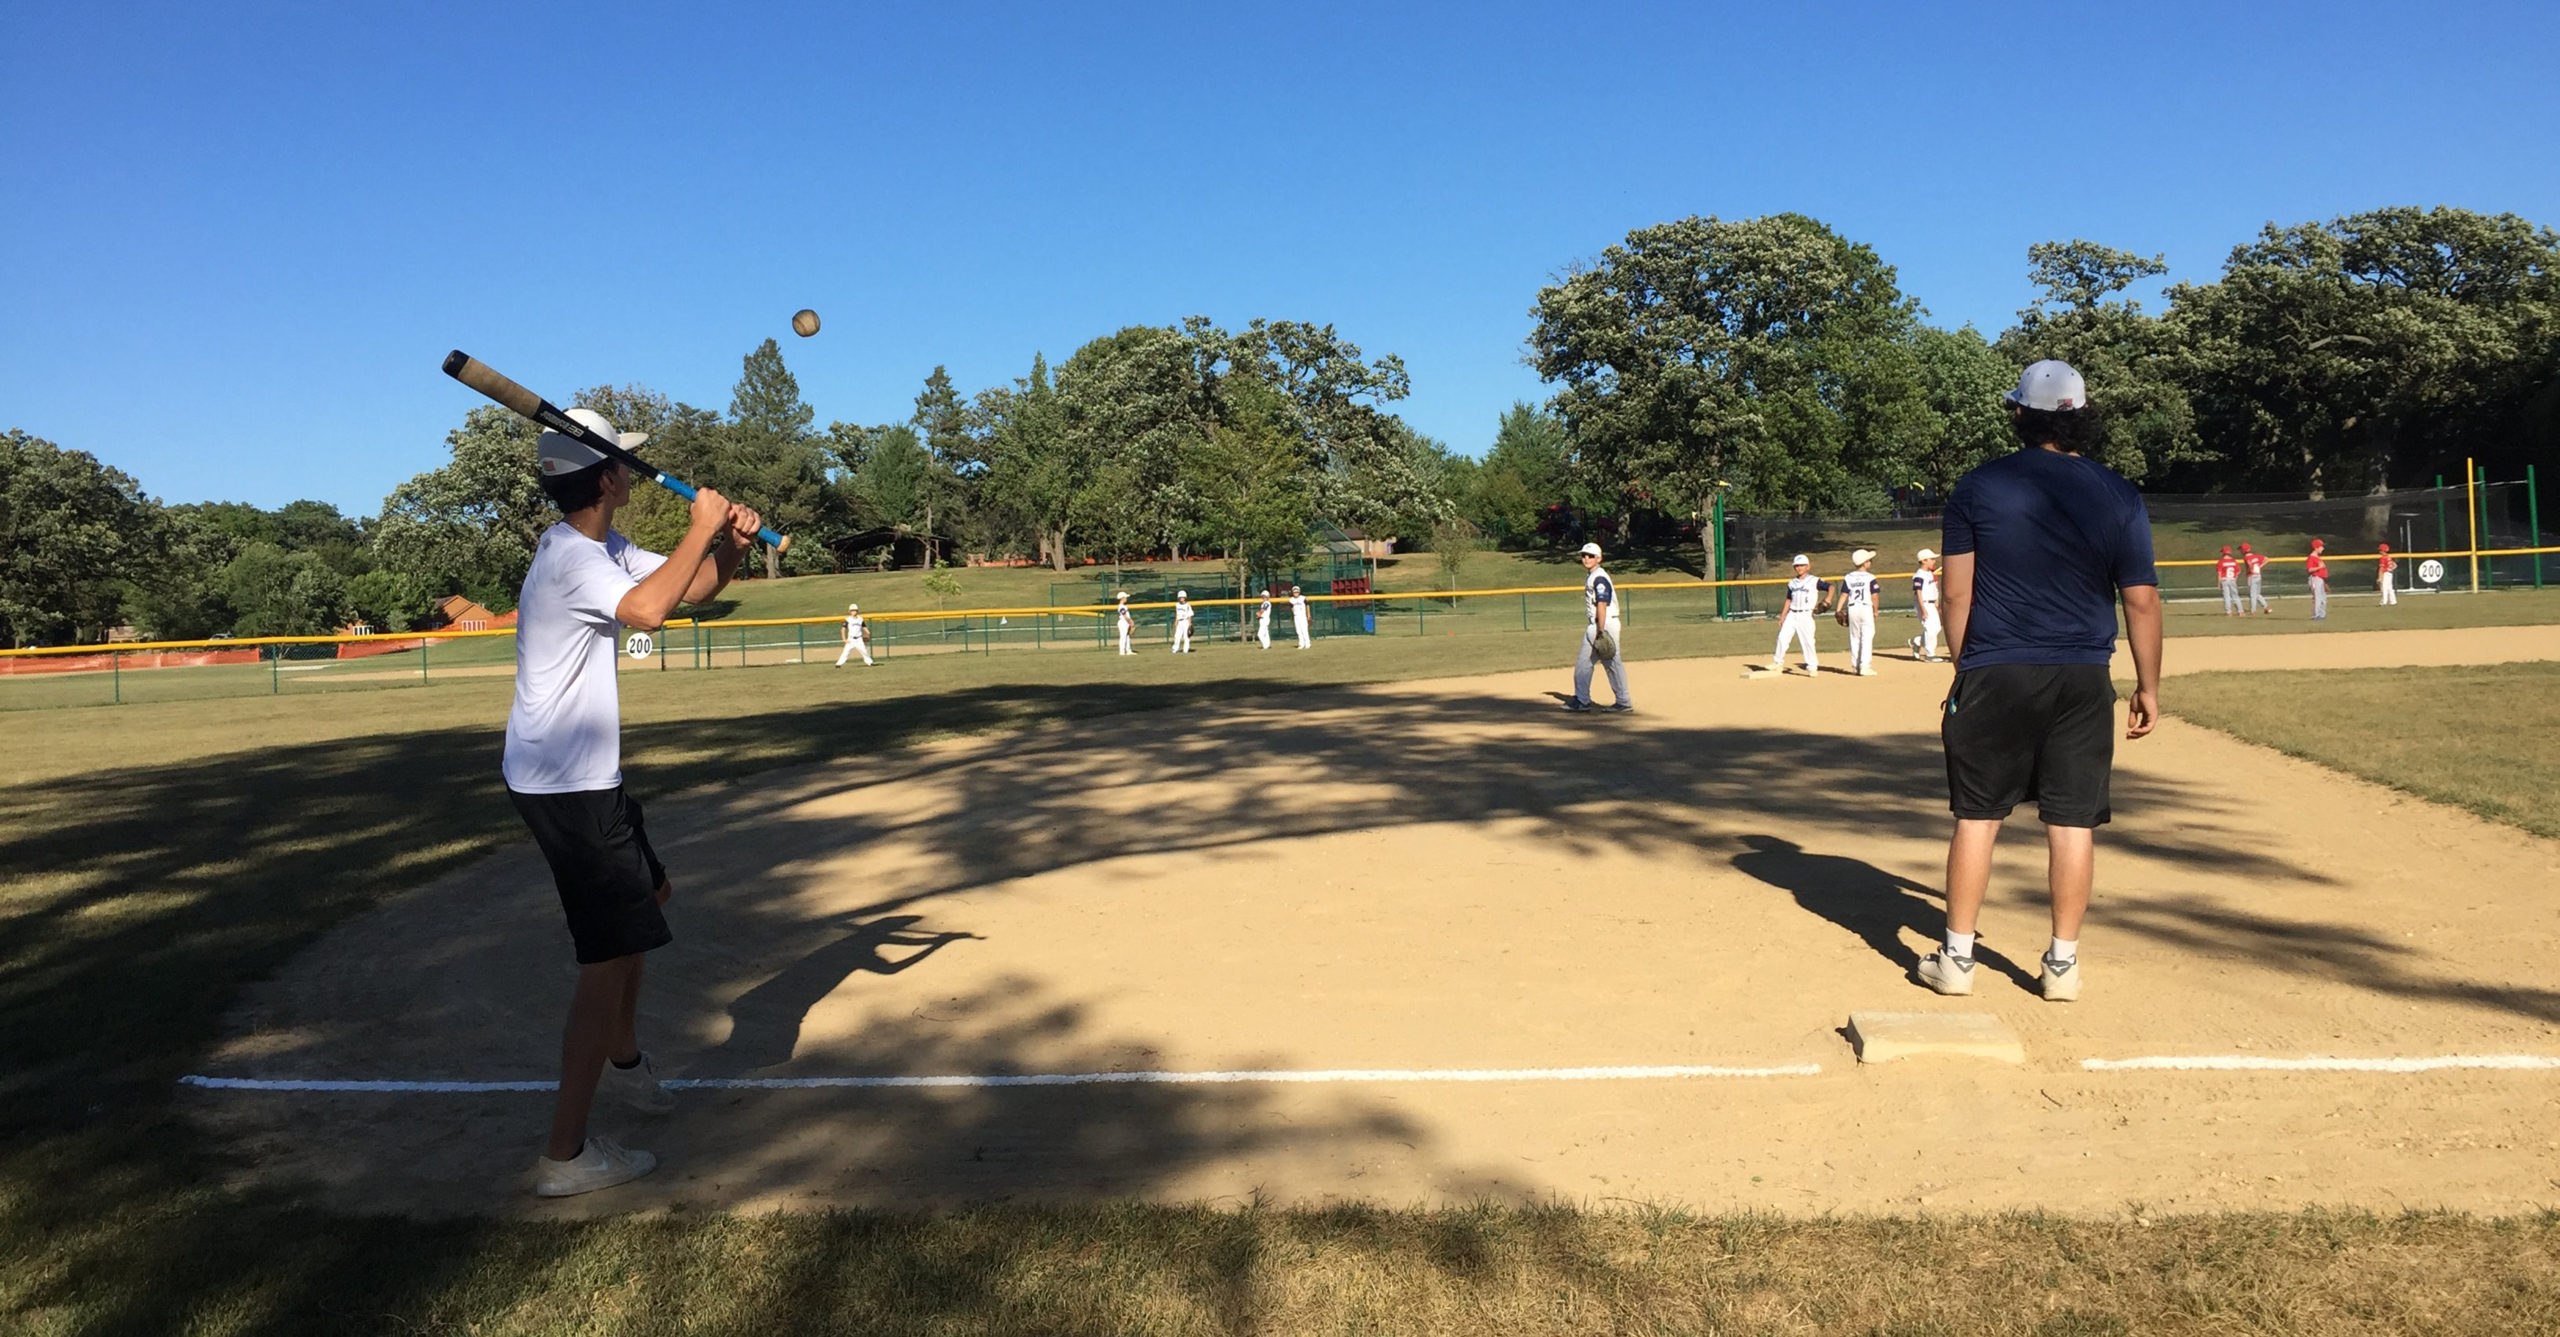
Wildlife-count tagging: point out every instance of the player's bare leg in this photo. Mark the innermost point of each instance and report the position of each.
(2070, 868)
(602, 1014)
(1949, 970)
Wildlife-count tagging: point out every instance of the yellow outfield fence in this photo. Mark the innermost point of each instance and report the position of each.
(39, 677)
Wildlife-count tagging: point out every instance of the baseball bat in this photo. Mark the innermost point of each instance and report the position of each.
(489, 381)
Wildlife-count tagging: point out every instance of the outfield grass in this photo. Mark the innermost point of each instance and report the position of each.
(159, 857)
(2485, 738)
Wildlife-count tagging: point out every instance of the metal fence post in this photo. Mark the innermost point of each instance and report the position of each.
(2442, 537)
(1524, 612)
(115, 670)
(801, 631)
(2533, 520)
(2471, 505)
(275, 671)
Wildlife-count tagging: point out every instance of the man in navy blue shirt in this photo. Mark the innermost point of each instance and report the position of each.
(2039, 547)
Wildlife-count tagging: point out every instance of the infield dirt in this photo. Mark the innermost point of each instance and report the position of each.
(1456, 874)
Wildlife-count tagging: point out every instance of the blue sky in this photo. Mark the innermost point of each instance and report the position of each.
(237, 239)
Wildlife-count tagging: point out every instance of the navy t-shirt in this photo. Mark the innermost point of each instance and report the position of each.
(2053, 537)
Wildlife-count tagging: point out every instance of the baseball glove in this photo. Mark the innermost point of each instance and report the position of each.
(1603, 645)
(1841, 617)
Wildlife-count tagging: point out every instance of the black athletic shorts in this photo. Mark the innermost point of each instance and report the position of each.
(607, 874)
(2040, 732)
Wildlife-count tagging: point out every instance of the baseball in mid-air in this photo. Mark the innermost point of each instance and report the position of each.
(804, 322)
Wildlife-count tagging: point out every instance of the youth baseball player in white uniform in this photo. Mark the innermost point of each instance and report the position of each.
(1262, 619)
(1855, 596)
(1127, 624)
(1298, 615)
(1600, 614)
(857, 638)
(1804, 594)
(1924, 591)
(1182, 622)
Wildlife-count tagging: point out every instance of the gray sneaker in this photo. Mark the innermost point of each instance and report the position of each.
(637, 1086)
(601, 1163)
(2060, 980)
(1947, 973)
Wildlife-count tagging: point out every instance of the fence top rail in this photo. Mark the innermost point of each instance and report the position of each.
(1104, 610)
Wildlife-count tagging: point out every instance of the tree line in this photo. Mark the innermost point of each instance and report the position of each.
(1769, 362)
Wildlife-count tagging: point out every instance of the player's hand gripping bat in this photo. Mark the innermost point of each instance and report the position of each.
(486, 379)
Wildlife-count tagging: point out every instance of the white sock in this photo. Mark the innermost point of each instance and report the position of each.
(2065, 950)
(1959, 944)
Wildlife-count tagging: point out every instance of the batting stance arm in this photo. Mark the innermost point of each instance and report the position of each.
(654, 599)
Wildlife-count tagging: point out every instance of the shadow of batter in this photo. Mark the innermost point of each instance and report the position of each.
(764, 1022)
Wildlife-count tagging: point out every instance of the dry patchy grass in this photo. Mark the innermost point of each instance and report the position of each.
(2477, 737)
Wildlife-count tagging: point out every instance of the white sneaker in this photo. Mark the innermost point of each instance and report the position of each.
(637, 1086)
(600, 1164)
(1947, 973)
(1866, 673)
(2060, 980)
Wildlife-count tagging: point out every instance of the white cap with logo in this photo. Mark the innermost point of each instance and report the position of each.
(1862, 556)
(2050, 386)
(559, 454)
(1590, 550)
(1802, 560)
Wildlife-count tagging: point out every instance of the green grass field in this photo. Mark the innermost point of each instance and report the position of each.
(2479, 737)
(161, 856)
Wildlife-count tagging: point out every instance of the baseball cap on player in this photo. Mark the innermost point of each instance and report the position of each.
(1928, 554)
(1802, 560)
(1862, 556)
(557, 454)
(2050, 386)
(853, 608)
(1590, 550)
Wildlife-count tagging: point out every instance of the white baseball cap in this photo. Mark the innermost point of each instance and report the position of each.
(1928, 554)
(1862, 555)
(853, 608)
(2049, 386)
(1802, 560)
(1182, 594)
(1590, 550)
(559, 454)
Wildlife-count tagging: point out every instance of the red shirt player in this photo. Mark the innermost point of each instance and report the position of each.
(2317, 568)
(2383, 566)
(2256, 563)
(2226, 574)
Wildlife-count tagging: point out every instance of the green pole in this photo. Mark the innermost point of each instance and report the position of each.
(115, 671)
(802, 633)
(2533, 520)
(1718, 522)
(2489, 570)
(275, 671)
(742, 647)
(1524, 612)
(2443, 536)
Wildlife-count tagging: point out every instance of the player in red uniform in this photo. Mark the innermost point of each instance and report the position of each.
(2383, 565)
(2317, 568)
(2226, 573)
(2256, 564)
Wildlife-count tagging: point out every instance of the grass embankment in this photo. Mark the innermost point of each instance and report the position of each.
(159, 857)
(2481, 738)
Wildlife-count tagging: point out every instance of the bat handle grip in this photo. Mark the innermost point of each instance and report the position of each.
(778, 542)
